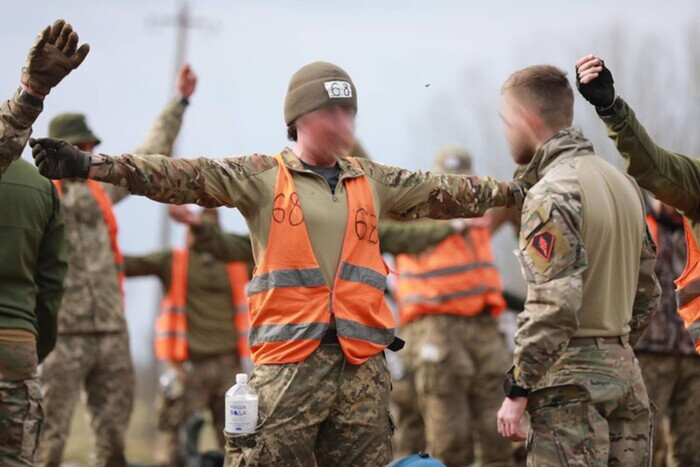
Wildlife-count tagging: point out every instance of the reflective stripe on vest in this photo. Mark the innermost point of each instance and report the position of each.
(171, 325)
(289, 300)
(653, 228)
(456, 277)
(688, 288)
(105, 205)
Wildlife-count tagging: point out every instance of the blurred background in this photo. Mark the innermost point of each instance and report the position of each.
(427, 73)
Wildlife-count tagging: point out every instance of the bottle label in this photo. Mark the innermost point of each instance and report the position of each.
(241, 416)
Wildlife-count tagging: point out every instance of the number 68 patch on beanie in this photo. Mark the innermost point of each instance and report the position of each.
(338, 89)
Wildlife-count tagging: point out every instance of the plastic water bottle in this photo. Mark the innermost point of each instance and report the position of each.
(241, 407)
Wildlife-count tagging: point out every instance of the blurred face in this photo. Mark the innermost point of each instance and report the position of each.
(518, 129)
(327, 132)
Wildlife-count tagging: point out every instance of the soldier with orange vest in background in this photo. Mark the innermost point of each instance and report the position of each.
(201, 332)
(319, 322)
(92, 350)
(670, 366)
(449, 298)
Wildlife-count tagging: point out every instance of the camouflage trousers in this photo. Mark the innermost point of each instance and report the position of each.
(21, 412)
(410, 429)
(206, 380)
(322, 409)
(458, 365)
(98, 365)
(592, 410)
(673, 384)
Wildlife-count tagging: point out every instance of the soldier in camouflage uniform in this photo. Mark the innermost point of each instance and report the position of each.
(588, 258)
(92, 353)
(33, 259)
(670, 365)
(323, 406)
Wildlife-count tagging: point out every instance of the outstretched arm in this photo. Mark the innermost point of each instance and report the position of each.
(407, 195)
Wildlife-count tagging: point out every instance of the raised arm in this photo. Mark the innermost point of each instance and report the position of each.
(54, 55)
(161, 137)
(672, 178)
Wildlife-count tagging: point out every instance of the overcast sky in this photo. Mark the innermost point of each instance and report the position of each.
(427, 72)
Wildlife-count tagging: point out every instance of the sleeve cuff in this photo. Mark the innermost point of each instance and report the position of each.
(25, 108)
(615, 115)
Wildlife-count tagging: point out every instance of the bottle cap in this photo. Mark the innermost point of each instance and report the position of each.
(241, 378)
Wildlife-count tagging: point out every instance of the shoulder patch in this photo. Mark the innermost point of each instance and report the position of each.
(543, 243)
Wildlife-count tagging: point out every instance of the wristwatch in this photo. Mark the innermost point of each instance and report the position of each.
(511, 389)
(32, 100)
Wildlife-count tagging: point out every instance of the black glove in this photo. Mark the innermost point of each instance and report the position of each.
(57, 159)
(600, 92)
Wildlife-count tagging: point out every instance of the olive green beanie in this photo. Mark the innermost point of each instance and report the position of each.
(453, 160)
(72, 128)
(318, 85)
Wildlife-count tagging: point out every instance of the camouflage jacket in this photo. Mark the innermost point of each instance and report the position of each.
(666, 333)
(672, 178)
(580, 281)
(93, 300)
(248, 183)
(16, 119)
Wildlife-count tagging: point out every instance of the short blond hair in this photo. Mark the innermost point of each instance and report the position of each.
(546, 90)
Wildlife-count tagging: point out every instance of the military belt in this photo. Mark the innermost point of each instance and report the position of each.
(331, 338)
(599, 341)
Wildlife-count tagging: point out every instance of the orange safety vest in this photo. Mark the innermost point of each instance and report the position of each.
(105, 205)
(454, 278)
(289, 300)
(688, 288)
(653, 228)
(171, 325)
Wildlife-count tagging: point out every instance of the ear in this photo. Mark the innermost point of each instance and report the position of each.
(533, 121)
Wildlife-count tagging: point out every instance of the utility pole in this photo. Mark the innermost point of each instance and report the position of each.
(183, 22)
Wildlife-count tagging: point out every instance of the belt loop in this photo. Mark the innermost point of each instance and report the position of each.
(599, 342)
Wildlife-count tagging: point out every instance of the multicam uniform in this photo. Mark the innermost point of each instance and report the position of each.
(323, 391)
(92, 352)
(33, 264)
(588, 260)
